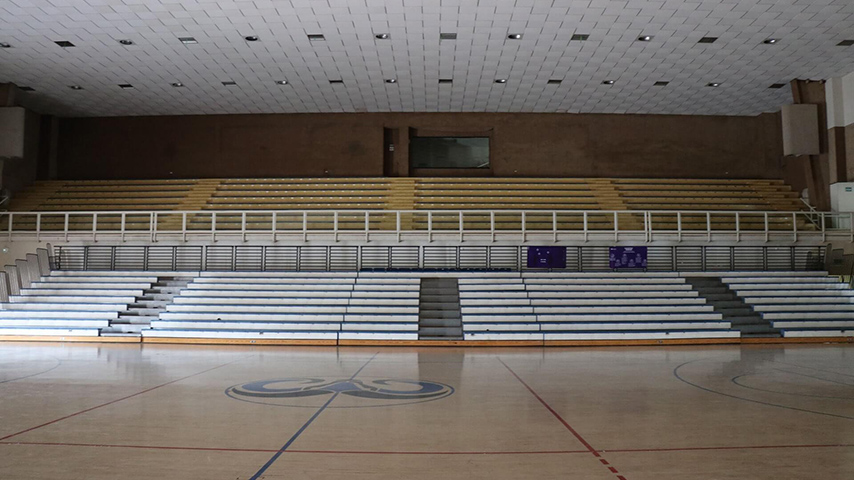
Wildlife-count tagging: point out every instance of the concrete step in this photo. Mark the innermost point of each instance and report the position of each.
(439, 332)
(439, 322)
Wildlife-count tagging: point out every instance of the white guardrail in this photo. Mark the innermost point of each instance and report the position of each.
(430, 225)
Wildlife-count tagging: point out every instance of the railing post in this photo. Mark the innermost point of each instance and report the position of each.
(524, 229)
(584, 218)
(154, 227)
(335, 225)
(184, 226)
(648, 225)
(616, 226)
(304, 225)
(429, 226)
(461, 226)
(823, 228)
(243, 226)
(67, 219)
(274, 227)
(95, 227)
(737, 228)
(123, 226)
(397, 224)
(709, 226)
(367, 228)
(38, 226)
(213, 226)
(679, 226)
(767, 229)
(492, 225)
(554, 226)
(794, 227)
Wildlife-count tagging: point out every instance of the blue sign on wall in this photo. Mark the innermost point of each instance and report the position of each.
(627, 257)
(546, 257)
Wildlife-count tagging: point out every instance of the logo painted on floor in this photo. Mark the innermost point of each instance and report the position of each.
(362, 393)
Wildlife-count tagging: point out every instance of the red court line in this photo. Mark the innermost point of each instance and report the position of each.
(733, 447)
(272, 450)
(112, 402)
(564, 422)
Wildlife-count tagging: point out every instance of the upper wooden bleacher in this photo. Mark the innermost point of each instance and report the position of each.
(409, 194)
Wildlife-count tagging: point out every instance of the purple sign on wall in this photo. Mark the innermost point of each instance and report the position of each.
(627, 257)
(546, 257)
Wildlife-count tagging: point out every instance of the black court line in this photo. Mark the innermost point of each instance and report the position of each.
(817, 378)
(813, 368)
(113, 401)
(769, 404)
(737, 381)
(58, 363)
(304, 427)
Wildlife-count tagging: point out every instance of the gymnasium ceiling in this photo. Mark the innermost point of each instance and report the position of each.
(808, 34)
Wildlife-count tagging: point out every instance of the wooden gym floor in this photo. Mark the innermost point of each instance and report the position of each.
(107, 411)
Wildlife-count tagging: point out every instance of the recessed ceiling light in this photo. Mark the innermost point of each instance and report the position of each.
(446, 80)
(316, 37)
(335, 82)
(381, 36)
(514, 36)
(447, 36)
(660, 83)
(608, 82)
(281, 82)
(770, 41)
(188, 40)
(777, 85)
(713, 84)
(390, 80)
(125, 85)
(251, 38)
(27, 89)
(75, 87)
(64, 43)
(554, 81)
(126, 42)
(644, 38)
(708, 40)
(844, 43)
(500, 80)
(580, 37)
(5, 45)
(177, 84)
(229, 83)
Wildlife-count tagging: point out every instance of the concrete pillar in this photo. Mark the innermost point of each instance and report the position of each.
(815, 168)
(840, 124)
(4, 287)
(24, 273)
(33, 269)
(44, 261)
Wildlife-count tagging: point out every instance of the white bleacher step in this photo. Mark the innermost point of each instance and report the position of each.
(804, 315)
(794, 333)
(628, 317)
(97, 278)
(123, 330)
(491, 288)
(631, 326)
(296, 275)
(777, 280)
(58, 314)
(55, 322)
(119, 273)
(44, 306)
(605, 281)
(507, 336)
(224, 308)
(801, 300)
(198, 292)
(804, 324)
(50, 331)
(507, 294)
(243, 334)
(130, 318)
(740, 287)
(70, 299)
(524, 318)
(379, 326)
(379, 309)
(91, 285)
(243, 325)
(237, 299)
(642, 335)
(663, 301)
(614, 294)
(271, 281)
(378, 335)
(385, 318)
(821, 307)
(591, 309)
(612, 288)
(279, 287)
(275, 317)
(758, 273)
(630, 275)
(834, 292)
(133, 293)
(501, 327)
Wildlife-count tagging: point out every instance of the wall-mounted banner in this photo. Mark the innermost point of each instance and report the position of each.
(627, 257)
(546, 257)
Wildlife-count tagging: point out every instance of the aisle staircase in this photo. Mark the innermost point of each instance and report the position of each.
(439, 310)
(146, 307)
(726, 302)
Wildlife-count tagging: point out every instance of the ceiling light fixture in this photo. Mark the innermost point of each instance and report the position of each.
(644, 38)
(777, 85)
(608, 82)
(64, 43)
(75, 87)
(281, 82)
(336, 82)
(708, 40)
(381, 36)
(500, 80)
(229, 83)
(390, 80)
(125, 86)
(443, 81)
(188, 40)
(844, 43)
(661, 83)
(177, 84)
(447, 36)
(514, 36)
(126, 42)
(770, 41)
(312, 37)
(580, 37)
(554, 81)
(251, 38)
(5, 45)
(713, 84)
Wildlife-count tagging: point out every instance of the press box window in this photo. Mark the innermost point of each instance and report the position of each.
(449, 152)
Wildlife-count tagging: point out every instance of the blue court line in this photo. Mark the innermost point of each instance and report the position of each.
(305, 426)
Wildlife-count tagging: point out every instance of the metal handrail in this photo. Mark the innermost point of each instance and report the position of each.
(814, 217)
(651, 223)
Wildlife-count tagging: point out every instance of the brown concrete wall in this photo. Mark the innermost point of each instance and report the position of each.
(565, 145)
